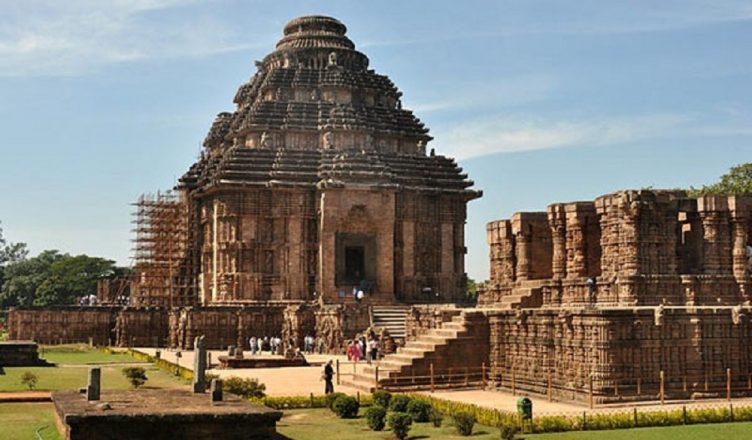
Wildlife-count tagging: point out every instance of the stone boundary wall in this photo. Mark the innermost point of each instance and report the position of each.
(64, 325)
(222, 326)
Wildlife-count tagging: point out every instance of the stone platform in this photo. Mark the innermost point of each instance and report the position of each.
(261, 362)
(20, 354)
(161, 414)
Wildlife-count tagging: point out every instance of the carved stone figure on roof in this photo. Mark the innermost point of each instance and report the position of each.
(265, 141)
(332, 59)
(368, 143)
(328, 140)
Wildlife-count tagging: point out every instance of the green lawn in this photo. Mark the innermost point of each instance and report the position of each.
(81, 355)
(306, 424)
(72, 371)
(21, 420)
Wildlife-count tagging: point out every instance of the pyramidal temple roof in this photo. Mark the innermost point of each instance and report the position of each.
(314, 114)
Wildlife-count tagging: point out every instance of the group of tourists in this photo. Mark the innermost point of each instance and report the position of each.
(275, 345)
(259, 345)
(363, 347)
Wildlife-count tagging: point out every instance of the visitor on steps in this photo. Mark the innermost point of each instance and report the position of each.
(374, 349)
(328, 376)
(252, 343)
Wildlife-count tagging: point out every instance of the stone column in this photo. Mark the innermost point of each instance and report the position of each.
(199, 365)
(524, 242)
(557, 222)
(502, 247)
(740, 209)
(216, 390)
(575, 245)
(93, 388)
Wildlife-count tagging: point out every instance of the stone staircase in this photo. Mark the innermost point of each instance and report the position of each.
(521, 298)
(458, 347)
(391, 318)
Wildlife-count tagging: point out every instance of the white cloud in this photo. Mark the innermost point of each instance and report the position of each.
(496, 93)
(77, 36)
(504, 135)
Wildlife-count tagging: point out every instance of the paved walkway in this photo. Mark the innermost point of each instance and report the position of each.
(282, 381)
(541, 406)
(25, 396)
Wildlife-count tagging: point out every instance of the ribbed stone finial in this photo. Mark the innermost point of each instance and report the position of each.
(315, 31)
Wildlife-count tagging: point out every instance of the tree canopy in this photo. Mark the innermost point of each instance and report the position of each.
(52, 278)
(737, 181)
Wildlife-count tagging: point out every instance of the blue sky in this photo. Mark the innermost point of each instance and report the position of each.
(540, 101)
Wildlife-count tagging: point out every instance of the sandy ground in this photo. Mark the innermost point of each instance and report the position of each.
(305, 380)
(288, 381)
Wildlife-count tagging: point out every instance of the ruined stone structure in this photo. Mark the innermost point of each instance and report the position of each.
(318, 183)
(620, 291)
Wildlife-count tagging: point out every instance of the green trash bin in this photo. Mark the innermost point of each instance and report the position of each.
(525, 408)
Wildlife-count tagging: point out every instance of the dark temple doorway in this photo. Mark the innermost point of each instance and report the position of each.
(355, 264)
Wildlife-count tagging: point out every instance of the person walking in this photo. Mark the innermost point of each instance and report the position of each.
(328, 376)
(374, 349)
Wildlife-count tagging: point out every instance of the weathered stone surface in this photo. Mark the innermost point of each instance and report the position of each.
(640, 282)
(162, 414)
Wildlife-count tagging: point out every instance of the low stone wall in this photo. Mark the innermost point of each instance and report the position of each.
(20, 354)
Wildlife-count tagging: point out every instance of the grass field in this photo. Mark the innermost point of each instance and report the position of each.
(322, 423)
(22, 420)
(72, 371)
(81, 355)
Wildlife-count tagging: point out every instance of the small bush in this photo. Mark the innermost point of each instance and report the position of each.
(247, 388)
(464, 422)
(331, 397)
(399, 423)
(508, 432)
(435, 417)
(346, 407)
(135, 375)
(29, 379)
(399, 403)
(419, 410)
(382, 398)
(376, 418)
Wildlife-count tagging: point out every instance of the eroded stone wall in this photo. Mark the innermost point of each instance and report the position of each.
(618, 349)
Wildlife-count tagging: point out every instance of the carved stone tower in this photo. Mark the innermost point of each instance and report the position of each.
(319, 181)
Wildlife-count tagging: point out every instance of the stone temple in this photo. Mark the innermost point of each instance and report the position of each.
(319, 183)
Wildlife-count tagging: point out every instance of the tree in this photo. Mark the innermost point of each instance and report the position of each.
(136, 376)
(23, 278)
(10, 253)
(737, 181)
(52, 278)
(29, 379)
